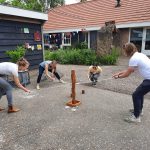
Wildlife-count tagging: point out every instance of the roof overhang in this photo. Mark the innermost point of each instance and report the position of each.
(6, 10)
(73, 29)
(133, 25)
(119, 26)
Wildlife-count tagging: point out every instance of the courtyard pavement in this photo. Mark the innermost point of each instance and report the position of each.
(45, 123)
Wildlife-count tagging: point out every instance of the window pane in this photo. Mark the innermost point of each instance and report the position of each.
(136, 34)
(136, 37)
(147, 42)
(67, 38)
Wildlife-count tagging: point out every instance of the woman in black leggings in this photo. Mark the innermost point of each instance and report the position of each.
(48, 66)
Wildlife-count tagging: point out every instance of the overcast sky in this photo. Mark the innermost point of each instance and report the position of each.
(71, 1)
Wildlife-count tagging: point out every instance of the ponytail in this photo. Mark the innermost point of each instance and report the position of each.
(22, 62)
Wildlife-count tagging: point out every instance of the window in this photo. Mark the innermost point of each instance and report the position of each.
(136, 37)
(147, 41)
(67, 39)
(46, 39)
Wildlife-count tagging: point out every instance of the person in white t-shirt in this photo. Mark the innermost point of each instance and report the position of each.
(11, 69)
(138, 61)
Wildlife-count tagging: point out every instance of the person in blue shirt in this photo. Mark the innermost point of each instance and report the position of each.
(48, 66)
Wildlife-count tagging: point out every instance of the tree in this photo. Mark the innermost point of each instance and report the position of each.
(52, 3)
(37, 5)
(2, 1)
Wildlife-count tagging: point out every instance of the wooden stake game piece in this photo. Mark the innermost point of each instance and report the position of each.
(73, 102)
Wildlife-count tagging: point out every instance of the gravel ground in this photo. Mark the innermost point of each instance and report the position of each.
(126, 85)
(44, 122)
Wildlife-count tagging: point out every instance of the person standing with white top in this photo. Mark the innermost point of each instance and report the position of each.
(11, 69)
(140, 62)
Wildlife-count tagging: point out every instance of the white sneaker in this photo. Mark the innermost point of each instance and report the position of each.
(38, 87)
(132, 112)
(62, 81)
(133, 119)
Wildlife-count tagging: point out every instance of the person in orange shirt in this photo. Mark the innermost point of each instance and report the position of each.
(94, 73)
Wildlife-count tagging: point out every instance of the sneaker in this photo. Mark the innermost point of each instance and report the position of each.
(62, 81)
(94, 82)
(38, 87)
(133, 119)
(132, 112)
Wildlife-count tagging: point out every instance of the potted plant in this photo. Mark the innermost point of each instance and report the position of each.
(16, 54)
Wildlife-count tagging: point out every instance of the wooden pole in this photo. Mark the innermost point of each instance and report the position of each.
(73, 79)
(73, 102)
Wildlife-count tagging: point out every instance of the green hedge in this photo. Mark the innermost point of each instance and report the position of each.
(81, 57)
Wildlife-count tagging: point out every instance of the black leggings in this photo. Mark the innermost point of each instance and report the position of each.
(41, 70)
(138, 97)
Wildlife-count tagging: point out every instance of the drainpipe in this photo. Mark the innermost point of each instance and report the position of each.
(62, 39)
(43, 42)
(78, 36)
(89, 40)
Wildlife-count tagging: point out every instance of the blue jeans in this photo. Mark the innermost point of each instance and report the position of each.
(41, 70)
(138, 97)
(94, 77)
(6, 89)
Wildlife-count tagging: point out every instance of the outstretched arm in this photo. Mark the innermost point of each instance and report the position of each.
(46, 72)
(88, 73)
(19, 85)
(124, 73)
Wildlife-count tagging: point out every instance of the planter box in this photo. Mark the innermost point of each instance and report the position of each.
(24, 77)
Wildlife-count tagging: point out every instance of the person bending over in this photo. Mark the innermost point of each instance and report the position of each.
(11, 69)
(48, 66)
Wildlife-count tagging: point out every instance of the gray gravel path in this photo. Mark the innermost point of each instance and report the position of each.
(126, 85)
(44, 122)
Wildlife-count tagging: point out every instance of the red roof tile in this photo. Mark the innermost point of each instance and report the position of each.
(95, 13)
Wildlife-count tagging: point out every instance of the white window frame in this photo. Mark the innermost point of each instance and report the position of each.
(63, 40)
(146, 52)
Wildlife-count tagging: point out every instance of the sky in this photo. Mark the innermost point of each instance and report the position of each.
(71, 1)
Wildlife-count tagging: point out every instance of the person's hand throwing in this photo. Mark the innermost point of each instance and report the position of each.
(116, 76)
(28, 91)
(52, 78)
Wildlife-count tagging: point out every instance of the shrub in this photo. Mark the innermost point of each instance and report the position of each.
(109, 59)
(16, 54)
(82, 45)
(81, 57)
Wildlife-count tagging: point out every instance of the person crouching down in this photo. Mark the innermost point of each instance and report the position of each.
(8, 68)
(94, 73)
(48, 66)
